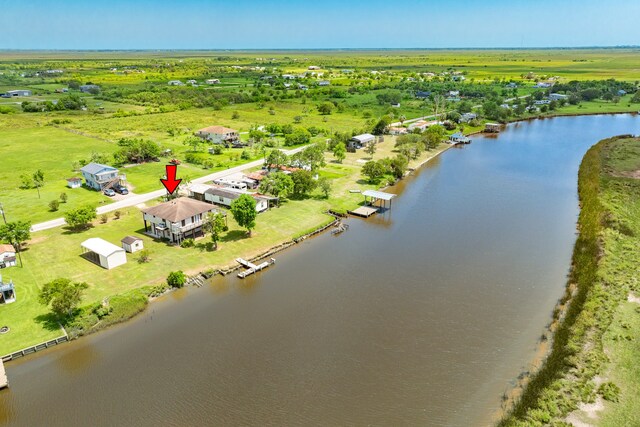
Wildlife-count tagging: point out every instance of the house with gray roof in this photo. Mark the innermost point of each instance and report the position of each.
(99, 176)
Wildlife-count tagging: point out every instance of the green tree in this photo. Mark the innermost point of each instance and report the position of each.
(433, 136)
(63, 295)
(325, 186)
(340, 152)
(399, 166)
(276, 158)
(176, 279)
(16, 233)
(298, 137)
(80, 217)
(194, 142)
(38, 180)
(54, 204)
(312, 156)
(244, 212)
(373, 170)
(63, 197)
(277, 184)
(325, 108)
(215, 224)
(381, 127)
(303, 182)
(371, 148)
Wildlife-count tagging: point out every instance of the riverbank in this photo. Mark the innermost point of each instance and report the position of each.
(581, 375)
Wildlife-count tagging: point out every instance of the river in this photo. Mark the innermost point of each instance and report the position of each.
(422, 316)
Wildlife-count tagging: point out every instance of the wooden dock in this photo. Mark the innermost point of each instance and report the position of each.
(4, 382)
(364, 211)
(253, 268)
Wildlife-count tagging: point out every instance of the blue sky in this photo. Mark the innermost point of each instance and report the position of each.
(249, 24)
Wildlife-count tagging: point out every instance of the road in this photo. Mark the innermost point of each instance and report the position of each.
(137, 199)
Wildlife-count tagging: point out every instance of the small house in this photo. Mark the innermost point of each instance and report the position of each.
(226, 196)
(132, 244)
(219, 135)
(314, 67)
(622, 92)
(89, 88)
(74, 182)
(459, 138)
(557, 96)
(542, 102)
(492, 127)
(19, 92)
(105, 254)
(395, 105)
(421, 94)
(454, 93)
(7, 256)
(360, 141)
(324, 83)
(177, 219)
(213, 81)
(175, 83)
(99, 177)
(192, 82)
(7, 292)
(543, 85)
(467, 117)
(288, 76)
(397, 130)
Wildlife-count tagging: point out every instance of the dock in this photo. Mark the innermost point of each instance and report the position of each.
(364, 211)
(4, 382)
(251, 267)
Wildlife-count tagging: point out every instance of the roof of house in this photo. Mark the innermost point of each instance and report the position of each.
(199, 188)
(100, 246)
(7, 248)
(223, 192)
(95, 168)
(130, 240)
(178, 209)
(74, 179)
(219, 130)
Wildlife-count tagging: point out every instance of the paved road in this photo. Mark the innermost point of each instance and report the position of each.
(136, 199)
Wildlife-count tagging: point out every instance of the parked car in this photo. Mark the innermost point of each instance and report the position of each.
(109, 192)
(121, 189)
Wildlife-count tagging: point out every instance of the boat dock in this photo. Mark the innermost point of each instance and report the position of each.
(364, 211)
(252, 268)
(4, 382)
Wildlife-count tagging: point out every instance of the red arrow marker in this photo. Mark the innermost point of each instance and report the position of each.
(171, 183)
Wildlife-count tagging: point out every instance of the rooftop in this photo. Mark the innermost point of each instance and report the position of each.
(219, 130)
(378, 195)
(100, 246)
(94, 168)
(7, 248)
(130, 240)
(178, 209)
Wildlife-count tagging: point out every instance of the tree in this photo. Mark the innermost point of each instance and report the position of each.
(80, 217)
(340, 152)
(16, 233)
(325, 186)
(63, 295)
(433, 136)
(371, 147)
(299, 136)
(215, 224)
(325, 108)
(54, 204)
(312, 155)
(244, 212)
(381, 127)
(374, 170)
(176, 279)
(235, 115)
(277, 184)
(276, 158)
(38, 180)
(63, 197)
(399, 166)
(144, 256)
(303, 182)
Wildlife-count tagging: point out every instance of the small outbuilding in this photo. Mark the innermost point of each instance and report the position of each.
(7, 292)
(103, 253)
(360, 141)
(74, 182)
(132, 244)
(459, 138)
(492, 127)
(7, 256)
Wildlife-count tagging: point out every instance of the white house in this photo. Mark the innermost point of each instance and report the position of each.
(99, 177)
(7, 256)
(226, 196)
(175, 83)
(219, 135)
(105, 254)
(557, 96)
(177, 219)
(324, 83)
(213, 81)
(74, 182)
(132, 244)
(360, 141)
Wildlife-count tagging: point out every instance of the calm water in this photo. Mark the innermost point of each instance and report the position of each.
(423, 316)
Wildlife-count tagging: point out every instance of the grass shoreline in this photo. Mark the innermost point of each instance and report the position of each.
(570, 375)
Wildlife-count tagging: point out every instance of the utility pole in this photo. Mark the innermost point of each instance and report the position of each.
(2, 211)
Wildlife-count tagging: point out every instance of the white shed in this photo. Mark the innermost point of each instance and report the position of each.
(103, 253)
(132, 244)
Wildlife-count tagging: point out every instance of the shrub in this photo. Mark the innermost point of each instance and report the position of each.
(187, 243)
(63, 197)
(609, 391)
(117, 214)
(144, 256)
(104, 218)
(53, 205)
(176, 279)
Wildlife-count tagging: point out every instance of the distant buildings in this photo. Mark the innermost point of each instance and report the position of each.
(175, 83)
(422, 94)
(324, 83)
(20, 92)
(467, 117)
(219, 135)
(213, 81)
(89, 88)
(557, 96)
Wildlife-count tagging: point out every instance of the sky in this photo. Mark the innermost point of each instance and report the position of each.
(288, 24)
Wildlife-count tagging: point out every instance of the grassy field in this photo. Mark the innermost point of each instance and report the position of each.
(59, 249)
(595, 340)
